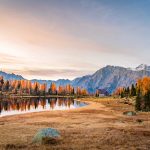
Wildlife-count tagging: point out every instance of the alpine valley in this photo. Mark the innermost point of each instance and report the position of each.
(108, 78)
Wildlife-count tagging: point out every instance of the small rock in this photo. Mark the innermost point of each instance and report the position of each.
(120, 121)
(139, 120)
(129, 113)
(125, 102)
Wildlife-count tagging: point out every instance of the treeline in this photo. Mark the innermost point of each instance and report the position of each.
(126, 91)
(141, 91)
(26, 87)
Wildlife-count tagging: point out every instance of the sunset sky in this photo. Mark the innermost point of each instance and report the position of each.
(52, 39)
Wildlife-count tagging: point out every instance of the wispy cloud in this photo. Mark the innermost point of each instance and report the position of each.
(51, 73)
(10, 59)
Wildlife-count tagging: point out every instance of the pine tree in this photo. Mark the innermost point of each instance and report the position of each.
(147, 101)
(128, 91)
(73, 91)
(133, 91)
(1, 82)
(138, 101)
(7, 85)
(122, 94)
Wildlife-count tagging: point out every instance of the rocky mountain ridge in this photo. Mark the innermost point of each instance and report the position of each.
(109, 78)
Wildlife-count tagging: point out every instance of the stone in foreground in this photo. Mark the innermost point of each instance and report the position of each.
(46, 134)
(129, 113)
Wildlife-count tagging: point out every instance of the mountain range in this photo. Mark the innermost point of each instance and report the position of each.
(108, 78)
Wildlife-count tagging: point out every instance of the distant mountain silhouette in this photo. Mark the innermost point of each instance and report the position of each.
(109, 78)
(12, 76)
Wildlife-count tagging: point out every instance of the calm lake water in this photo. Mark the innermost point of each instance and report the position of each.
(20, 106)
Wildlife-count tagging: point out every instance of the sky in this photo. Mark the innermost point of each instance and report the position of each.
(53, 39)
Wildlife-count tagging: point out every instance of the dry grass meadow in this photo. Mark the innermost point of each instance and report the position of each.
(100, 125)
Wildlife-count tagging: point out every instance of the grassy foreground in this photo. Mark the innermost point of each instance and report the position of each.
(100, 125)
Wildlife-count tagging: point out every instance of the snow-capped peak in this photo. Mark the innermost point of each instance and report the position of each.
(143, 67)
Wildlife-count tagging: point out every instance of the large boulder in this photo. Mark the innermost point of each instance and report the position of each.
(47, 135)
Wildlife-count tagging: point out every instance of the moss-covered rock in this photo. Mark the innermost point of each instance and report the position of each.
(47, 133)
(129, 113)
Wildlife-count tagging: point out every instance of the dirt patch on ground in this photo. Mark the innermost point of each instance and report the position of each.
(100, 125)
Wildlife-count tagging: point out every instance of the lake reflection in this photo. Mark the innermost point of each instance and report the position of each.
(21, 106)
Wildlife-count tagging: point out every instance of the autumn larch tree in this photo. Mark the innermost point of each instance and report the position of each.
(84, 92)
(43, 89)
(52, 89)
(143, 94)
(36, 88)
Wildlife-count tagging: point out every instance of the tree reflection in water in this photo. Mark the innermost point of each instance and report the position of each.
(22, 105)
